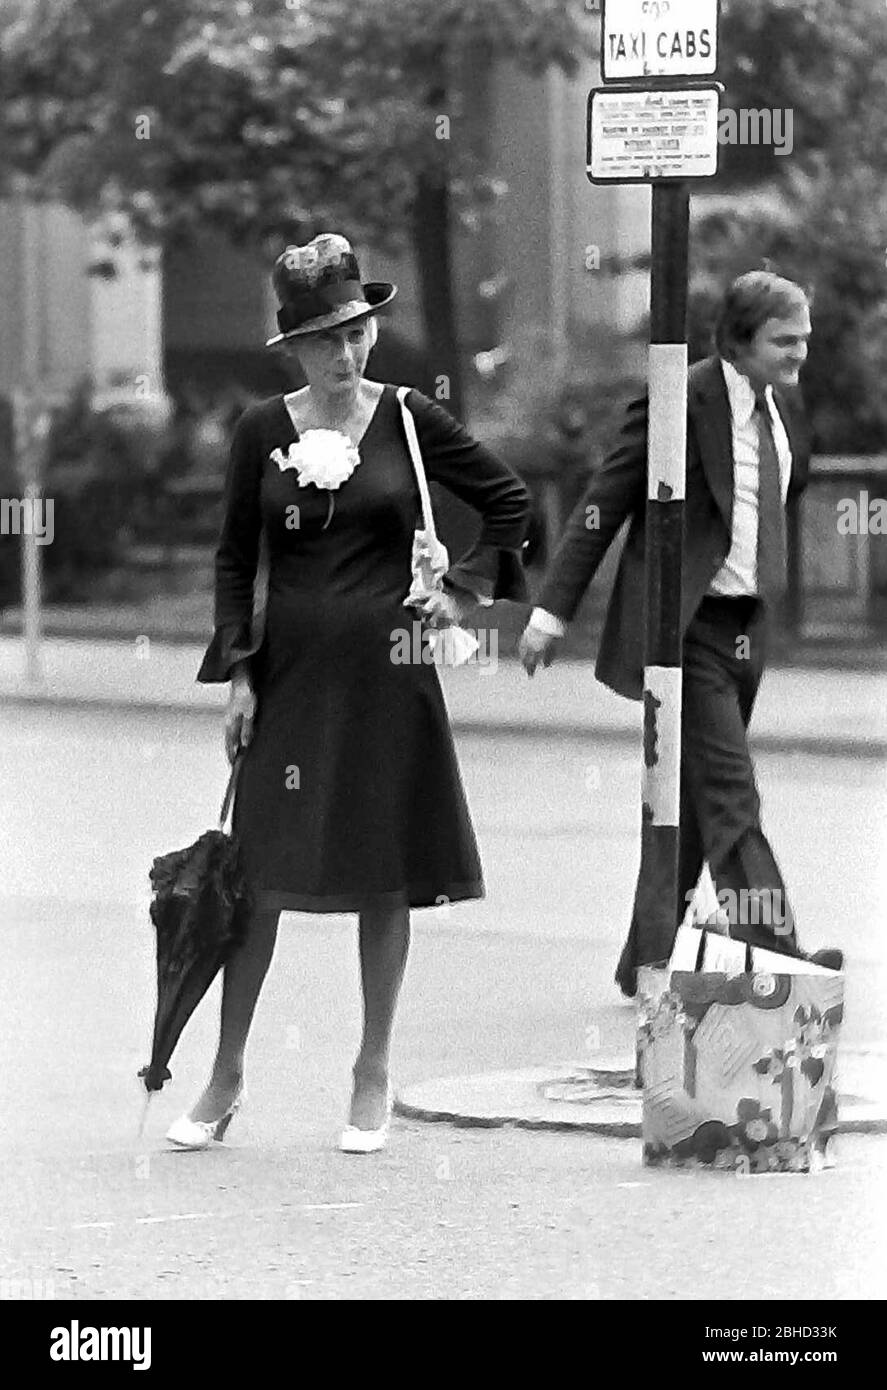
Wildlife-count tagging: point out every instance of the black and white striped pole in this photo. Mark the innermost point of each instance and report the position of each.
(655, 121)
(666, 478)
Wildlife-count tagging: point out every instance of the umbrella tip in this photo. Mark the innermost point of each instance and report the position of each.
(144, 1115)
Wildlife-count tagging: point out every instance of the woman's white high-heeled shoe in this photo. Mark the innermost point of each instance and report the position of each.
(367, 1141)
(186, 1133)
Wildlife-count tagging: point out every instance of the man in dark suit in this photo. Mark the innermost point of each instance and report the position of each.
(748, 451)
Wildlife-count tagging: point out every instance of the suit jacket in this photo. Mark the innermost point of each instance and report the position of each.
(619, 489)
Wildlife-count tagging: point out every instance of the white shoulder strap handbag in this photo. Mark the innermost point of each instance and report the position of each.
(451, 646)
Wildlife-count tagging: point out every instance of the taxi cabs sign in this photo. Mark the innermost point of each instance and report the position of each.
(651, 39)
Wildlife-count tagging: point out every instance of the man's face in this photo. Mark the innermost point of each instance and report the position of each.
(778, 351)
(334, 361)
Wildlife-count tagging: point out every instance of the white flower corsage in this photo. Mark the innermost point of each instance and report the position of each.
(326, 458)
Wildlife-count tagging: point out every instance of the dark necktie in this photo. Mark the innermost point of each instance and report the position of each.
(772, 550)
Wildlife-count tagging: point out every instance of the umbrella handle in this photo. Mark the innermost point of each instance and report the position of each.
(229, 790)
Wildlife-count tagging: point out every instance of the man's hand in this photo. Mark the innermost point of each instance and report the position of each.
(536, 646)
(239, 716)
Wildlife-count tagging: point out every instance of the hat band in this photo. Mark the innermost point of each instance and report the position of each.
(300, 308)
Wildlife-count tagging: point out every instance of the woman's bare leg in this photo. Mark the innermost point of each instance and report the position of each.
(384, 944)
(244, 975)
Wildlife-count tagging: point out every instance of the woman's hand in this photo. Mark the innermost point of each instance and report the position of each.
(239, 716)
(442, 610)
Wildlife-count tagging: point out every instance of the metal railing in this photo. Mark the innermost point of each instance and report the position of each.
(852, 583)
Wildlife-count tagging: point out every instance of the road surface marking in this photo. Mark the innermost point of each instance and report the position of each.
(332, 1206)
(206, 1216)
(183, 1216)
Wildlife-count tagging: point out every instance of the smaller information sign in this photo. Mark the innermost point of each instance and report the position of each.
(638, 136)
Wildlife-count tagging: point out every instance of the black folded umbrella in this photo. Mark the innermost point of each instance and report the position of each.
(201, 909)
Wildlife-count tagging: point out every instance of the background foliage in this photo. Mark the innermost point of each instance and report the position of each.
(273, 118)
(820, 214)
(270, 119)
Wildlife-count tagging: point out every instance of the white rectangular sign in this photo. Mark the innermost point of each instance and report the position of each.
(645, 135)
(658, 38)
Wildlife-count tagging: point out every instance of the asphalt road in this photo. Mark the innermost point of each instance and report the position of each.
(521, 978)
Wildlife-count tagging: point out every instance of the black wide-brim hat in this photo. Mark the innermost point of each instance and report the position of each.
(319, 286)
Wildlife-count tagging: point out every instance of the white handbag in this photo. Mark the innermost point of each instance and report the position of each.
(450, 646)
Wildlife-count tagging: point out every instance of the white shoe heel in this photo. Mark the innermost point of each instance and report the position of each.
(186, 1133)
(367, 1141)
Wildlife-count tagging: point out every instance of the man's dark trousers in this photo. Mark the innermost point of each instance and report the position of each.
(720, 803)
(723, 661)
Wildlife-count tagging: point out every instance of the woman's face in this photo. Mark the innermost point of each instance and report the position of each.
(334, 361)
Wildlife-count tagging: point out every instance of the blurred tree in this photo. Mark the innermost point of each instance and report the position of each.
(818, 212)
(272, 118)
(825, 61)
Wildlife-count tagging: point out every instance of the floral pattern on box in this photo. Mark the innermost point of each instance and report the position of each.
(739, 1071)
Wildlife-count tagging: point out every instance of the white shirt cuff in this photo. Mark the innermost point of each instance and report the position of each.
(546, 622)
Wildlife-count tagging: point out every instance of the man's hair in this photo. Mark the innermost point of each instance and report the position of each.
(750, 301)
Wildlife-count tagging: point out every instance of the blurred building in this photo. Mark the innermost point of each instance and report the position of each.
(74, 307)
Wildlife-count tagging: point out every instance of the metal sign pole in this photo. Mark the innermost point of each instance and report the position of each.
(32, 593)
(655, 121)
(29, 435)
(666, 477)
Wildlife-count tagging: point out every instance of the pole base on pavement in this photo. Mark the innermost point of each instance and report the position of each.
(598, 1097)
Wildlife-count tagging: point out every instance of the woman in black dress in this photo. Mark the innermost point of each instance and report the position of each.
(349, 797)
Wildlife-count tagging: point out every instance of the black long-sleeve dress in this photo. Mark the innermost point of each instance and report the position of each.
(350, 794)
